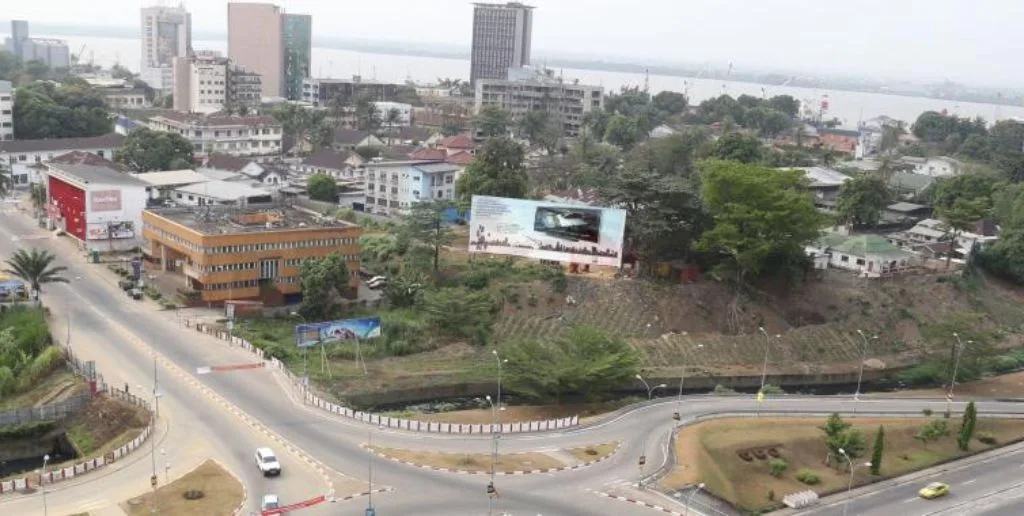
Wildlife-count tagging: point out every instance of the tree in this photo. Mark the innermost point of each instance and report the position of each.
(461, 313)
(738, 147)
(146, 150)
(492, 121)
(763, 217)
(932, 431)
(840, 435)
(36, 268)
(119, 72)
(42, 110)
(6, 181)
(392, 117)
(539, 129)
(976, 147)
(305, 126)
(668, 104)
(404, 289)
(499, 170)
(425, 225)
(583, 360)
(623, 132)
(862, 200)
(970, 418)
(876, 452)
(322, 187)
(320, 277)
(786, 104)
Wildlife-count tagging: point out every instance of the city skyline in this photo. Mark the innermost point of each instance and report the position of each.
(950, 40)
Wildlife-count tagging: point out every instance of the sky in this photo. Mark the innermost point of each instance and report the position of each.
(969, 41)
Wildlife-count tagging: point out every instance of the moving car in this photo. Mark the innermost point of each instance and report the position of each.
(270, 501)
(934, 490)
(267, 462)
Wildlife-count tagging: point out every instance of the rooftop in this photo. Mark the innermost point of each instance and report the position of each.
(824, 177)
(865, 245)
(459, 141)
(172, 178)
(106, 141)
(904, 207)
(224, 220)
(78, 157)
(223, 190)
(215, 119)
(327, 158)
(6, 87)
(226, 162)
(95, 174)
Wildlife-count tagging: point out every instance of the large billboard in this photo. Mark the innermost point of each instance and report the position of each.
(547, 230)
(312, 334)
(105, 200)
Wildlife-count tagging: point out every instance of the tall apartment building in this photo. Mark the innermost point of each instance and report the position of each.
(325, 92)
(392, 187)
(53, 52)
(200, 83)
(245, 88)
(530, 89)
(264, 39)
(6, 111)
(502, 35)
(166, 35)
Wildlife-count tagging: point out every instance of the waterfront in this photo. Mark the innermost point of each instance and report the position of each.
(848, 106)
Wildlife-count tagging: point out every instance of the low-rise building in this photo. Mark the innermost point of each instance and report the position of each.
(869, 256)
(348, 139)
(22, 155)
(6, 111)
(941, 166)
(403, 110)
(126, 98)
(825, 184)
(529, 89)
(907, 185)
(266, 173)
(392, 187)
(840, 140)
(161, 185)
(217, 192)
(225, 134)
(337, 164)
(253, 253)
(345, 92)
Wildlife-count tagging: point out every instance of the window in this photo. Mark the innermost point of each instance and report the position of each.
(448, 179)
(844, 258)
(860, 261)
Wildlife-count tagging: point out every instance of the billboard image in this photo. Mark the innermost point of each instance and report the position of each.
(105, 200)
(312, 334)
(547, 230)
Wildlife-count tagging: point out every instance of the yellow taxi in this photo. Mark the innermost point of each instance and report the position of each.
(934, 490)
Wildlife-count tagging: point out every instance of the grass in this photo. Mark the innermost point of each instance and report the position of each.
(595, 452)
(478, 462)
(222, 494)
(58, 380)
(710, 453)
(80, 436)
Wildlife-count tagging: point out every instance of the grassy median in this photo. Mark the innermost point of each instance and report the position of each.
(221, 494)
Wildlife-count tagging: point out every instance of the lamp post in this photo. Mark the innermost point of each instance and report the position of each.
(500, 361)
(849, 486)
(860, 375)
(956, 365)
(370, 511)
(650, 390)
(690, 498)
(305, 362)
(679, 401)
(46, 459)
(491, 492)
(67, 310)
(764, 368)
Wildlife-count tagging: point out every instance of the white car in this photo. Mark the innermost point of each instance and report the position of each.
(270, 501)
(267, 462)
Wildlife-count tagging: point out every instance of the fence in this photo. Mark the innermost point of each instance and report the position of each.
(404, 424)
(50, 412)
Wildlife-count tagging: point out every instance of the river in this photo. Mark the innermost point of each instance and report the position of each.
(848, 106)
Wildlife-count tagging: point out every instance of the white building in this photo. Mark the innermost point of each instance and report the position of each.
(530, 89)
(200, 83)
(162, 184)
(220, 192)
(225, 134)
(6, 111)
(404, 113)
(245, 169)
(393, 186)
(338, 164)
(25, 157)
(166, 33)
(869, 256)
(941, 166)
(126, 98)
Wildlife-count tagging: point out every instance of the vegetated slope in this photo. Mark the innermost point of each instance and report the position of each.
(817, 321)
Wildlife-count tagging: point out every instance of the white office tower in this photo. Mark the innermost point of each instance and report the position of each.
(166, 34)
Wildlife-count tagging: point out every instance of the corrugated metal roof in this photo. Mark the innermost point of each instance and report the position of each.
(172, 177)
(223, 190)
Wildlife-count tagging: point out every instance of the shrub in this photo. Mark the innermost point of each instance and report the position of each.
(772, 389)
(926, 411)
(924, 374)
(807, 477)
(777, 467)
(771, 495)
(721, 390)
(987, 438)
(26, 430)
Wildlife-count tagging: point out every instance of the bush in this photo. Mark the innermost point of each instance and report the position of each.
(721, 390)
(924, 374)
(777, 467)
(807, 477)
(772, 389)
(771, 495)
(926, 411)
(987, 438)
(26, 430)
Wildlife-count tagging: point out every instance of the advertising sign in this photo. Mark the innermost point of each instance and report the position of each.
(96, 232)
(123, 229)
(307, 335)
(547, 230)
(105, 200)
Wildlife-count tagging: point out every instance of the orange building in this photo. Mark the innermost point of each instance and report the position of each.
(245, 253)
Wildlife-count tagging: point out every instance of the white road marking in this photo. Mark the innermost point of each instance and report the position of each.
(969, 482)
(910, 500)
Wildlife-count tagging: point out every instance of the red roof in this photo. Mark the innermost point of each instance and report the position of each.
(459, 141)
(460, 158)
(428, 153)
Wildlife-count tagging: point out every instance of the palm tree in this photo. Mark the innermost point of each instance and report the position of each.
(392, 117)
(36, 268)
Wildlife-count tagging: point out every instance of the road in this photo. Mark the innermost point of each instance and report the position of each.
(117, 333)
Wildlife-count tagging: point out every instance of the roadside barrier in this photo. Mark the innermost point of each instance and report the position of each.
(312, 399)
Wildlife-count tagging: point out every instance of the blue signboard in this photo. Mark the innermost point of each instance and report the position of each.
(307, 335)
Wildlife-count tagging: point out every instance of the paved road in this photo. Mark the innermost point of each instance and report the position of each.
(98, 309)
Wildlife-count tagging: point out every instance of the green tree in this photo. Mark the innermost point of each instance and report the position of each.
(584, 360)
(539, 129)
(976, 147)
(876, 452)
(670, 103)
(763, 217)
(862, 200)
(320, 277)
(392, 117)
(36, 268)
(461, 313)
(738, 147)
(623, 132)
(368, 116)
(42, 110)
(932, 431)
(405, 289)
(322, 187)
(145, 150)
(498, 170)
(840, 435)
(970, 419)
(595, 123)
(304, 125)
(492, 121)
(425, 226)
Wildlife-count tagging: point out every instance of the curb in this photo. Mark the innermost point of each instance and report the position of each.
(635, 502)
(361, 494)
(497, 473)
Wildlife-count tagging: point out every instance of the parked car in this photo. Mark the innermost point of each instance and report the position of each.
(934, 490)
(126, 284)
(270, 501)
(267, 462)
(136, 293)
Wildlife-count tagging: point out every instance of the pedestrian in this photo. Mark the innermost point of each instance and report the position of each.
(126, 387)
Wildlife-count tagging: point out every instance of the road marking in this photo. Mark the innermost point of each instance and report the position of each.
(910, 500)
(969, 482)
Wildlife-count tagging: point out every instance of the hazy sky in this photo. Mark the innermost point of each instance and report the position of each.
(973, 41)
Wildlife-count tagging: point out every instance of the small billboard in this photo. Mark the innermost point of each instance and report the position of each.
(547, 230)
(312, 334)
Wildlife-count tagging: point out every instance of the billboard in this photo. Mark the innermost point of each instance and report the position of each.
(113, 230)
(105, 200)
(547, 230)
(307, 335)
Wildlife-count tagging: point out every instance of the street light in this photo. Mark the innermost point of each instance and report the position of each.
(690, 498)
(370, 511)
(679, 401)
(305, 353)
(167, 466)
(67, 310)
(494, 453)
(863, 357)
(764, 368)
(650, 390)
(46, 459)
(500, 361)
(849, 486)
(956, 364)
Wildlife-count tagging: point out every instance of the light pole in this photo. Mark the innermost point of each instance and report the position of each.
(491, 492)
(956, 364)
(860, 375)
(764, 368)
(370, 511)
(305, 352)
(849, 486)
(46, 459)
(650, 390)
(679, 401)
(500, 361)
(67, 310)
(690, 498)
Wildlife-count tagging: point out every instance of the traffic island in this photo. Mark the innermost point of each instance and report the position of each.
(752, 463)
(506, 464)
(209, 490)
